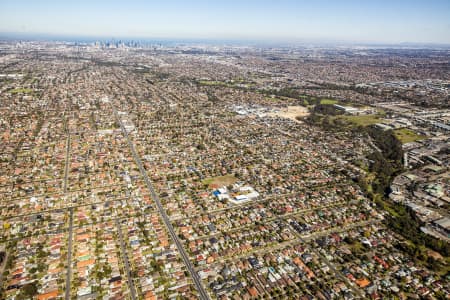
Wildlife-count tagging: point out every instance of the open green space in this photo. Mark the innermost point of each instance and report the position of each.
(219, 181)
(328, 101)
(212, 82)
(275, 99)
(231, 84)
(364, 120)
(406, 135)
(21, 90)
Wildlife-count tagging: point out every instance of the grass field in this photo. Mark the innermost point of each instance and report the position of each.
(407, 136)
(274, 99)
(219, 181)
(21, 90)
(328, 101)
(364, 120)
(212, 83)
(235, 84)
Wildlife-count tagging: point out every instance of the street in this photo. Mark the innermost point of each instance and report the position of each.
(126, 262)
(202, 292)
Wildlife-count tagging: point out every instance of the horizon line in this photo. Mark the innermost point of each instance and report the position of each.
(53, 37)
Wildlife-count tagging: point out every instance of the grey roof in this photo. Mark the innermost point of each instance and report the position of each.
(444, 222)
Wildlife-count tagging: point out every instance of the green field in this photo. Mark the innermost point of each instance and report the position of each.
(274, 99)
(328, 101)
(407, 136)
(364, 120)
(219, 181)
(230, 84)
(211, 82)
(21, 90)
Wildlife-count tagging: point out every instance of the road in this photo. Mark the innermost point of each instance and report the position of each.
(337, 272)
(198, 284)
(3, 265)
(126, 262)
(305, 239)
(45, 211)
(66, 168)
(69, 256)
(327, 262)
(236, 206)
(267, 220)
(69, 244)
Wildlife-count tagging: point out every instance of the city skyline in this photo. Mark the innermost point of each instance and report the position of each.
(293, 21)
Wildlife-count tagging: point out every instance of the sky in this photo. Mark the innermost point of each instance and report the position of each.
(383, 21)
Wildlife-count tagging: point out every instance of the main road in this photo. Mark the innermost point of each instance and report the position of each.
(69, 244)
(69, 256)
(197, 281)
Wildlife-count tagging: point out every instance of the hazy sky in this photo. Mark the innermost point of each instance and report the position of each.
(344, 20)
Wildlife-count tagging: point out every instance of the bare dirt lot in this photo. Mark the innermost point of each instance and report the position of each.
(291, 112)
